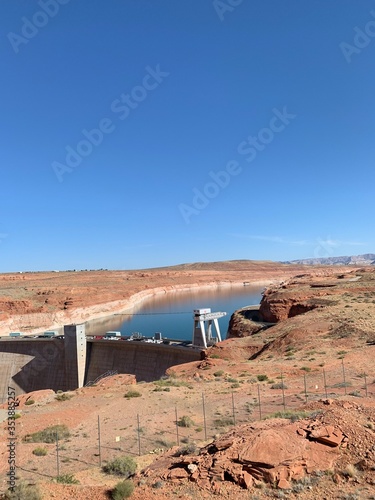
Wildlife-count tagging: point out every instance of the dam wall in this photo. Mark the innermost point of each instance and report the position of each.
(144, 360)
(34, 364)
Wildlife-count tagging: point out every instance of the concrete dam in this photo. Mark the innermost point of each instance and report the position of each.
(35, 364)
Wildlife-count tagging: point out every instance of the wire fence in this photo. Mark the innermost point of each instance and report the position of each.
(207, 415)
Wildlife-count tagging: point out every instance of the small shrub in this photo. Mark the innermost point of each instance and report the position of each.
(279, 385)
(185, 421)
(262, 378)
(370, 425)
(260, 485)
(23, 491)
(188, 449)
(67, 479)
(342, 384)
(132, 394)
(29, 402)
(123, 489)
(164, 443)
(350, 471)
(48, 435)
(17, 415)
(170, 382)
(223, 422)
(162, 389)
(306, 368)
(355, 393)
(298, 488)
(219, 373)
(290, 414)
(158, 485)
(249, 407)
(40, 452)
(121, 466)
(63, 396)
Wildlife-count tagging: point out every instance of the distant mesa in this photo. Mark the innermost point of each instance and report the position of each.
(367, 259)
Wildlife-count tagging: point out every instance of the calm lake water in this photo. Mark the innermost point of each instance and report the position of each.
(172, 313)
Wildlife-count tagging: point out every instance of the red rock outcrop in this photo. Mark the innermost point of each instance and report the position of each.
(305, 293)
(277, 451)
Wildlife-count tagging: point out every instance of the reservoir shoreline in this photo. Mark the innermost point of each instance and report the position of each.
(27, 323)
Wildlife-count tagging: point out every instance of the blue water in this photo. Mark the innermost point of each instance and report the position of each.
(172, 313)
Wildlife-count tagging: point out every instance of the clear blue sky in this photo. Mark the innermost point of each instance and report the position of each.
(278, 94)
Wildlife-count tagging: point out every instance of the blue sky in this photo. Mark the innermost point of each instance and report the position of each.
(143, 133)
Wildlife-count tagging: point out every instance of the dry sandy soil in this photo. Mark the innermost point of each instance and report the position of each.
(314, 368)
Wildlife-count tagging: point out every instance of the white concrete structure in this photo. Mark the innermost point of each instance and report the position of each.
(203, 337)
(75, 355)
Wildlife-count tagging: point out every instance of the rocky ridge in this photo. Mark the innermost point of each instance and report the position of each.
(278, 452)
(353, 260)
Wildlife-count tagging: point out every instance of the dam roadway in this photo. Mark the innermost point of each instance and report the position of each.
(35, 364)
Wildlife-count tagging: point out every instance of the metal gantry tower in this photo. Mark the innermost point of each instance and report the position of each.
(202, 336)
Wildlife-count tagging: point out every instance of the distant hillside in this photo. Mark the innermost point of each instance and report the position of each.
(222, 265)
(366, 259)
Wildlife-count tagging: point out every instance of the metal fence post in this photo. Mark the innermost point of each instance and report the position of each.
(99, 443)
(260, 405)
(57, 454)
(343, 375)
(178, 437)
(325, 383)
(282, 387)
(305, 386)
(234, 415)
(204, 417)
(139, 436)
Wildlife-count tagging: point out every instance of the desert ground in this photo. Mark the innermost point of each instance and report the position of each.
(280, 412)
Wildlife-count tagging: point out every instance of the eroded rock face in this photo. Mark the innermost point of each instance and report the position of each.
(277, 452)
(35, 397)
(244, 323)
(305, 293)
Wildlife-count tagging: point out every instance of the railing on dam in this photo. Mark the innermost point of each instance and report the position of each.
(109, 373)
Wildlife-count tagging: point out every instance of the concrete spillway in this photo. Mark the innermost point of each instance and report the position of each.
(35, 364)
